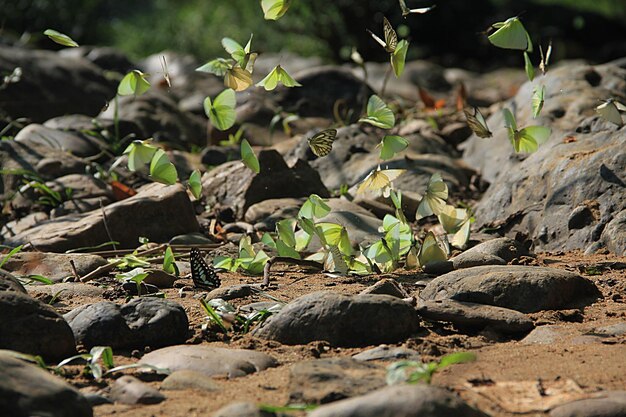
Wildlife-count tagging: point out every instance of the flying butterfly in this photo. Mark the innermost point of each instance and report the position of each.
(406, 11)
(545, 59)
(379, 181)
(391, 37)
(203, 275)
(322, 142)
(477, 123)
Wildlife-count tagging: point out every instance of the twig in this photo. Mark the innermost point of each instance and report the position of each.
(106, 226)
(286, 260)
(73, 265)
(109, 267)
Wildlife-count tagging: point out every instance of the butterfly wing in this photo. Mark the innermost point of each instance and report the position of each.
(202, 274)
(431, 251)
(391, 37)
(477, 123)
(322, 143)
(609, 112)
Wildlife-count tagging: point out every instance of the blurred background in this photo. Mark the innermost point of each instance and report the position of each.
(450, 35)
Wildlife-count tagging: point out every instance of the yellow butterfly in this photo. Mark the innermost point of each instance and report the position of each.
(477, 122)
(431, 251)
(322, 143)
(433, 201)
(378, 180)
(391, 37)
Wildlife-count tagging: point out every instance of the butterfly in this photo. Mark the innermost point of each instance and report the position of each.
(203, 275)
(477, 122)
(610, 110)
(379, 181)
(527, 139)
(391, 37)
(406, 11)
(322, 142)
(433, 201)
(543, 65)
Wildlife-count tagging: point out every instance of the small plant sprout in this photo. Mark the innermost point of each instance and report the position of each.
(412, 371)
(221, 111)
(92, 361)
(60, 38)
(136, 275)
(527, 139)
(9, 255)
(278, 74)
(133, 83)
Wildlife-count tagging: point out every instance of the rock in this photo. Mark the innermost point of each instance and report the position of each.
(129, 390)
(476, 316)
(72, 142)
(400, 401)
(236, 187)
(55, 266)
(322, 381)
(270, 211)
(605, 404)
(157, 212)
(51, 85)
(28, 390)
(613, 236)
(242, 409)
(142, 322)
(189, 379)
(387, 353)
(66, 290)
(341, 320)
(564, 195)
(16, 226)
(617, 329)
(210, 360)
(361, 225)
(498, 251)
(105, 127)
(8, 282)
(545, 335)
(159, 278)
(523, 288)
(230, 293)
(30, 326)
(387, 286)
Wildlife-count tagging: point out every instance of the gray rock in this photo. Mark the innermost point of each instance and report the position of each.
(157, 212)
(242, 409)
(72, 142)
(606, 404)
(129, 390)
(386, 286)
(523, 288)
(107, 58)
(323, 381)
(387, 353)
(566, 193)
(52, 85)
(341, 320)
(30, 326)
(9, 282)
(476, 316)
(159, 278)
(498, 251)
(27, 390)
(210, 360)
(617, 329)
(361, 224)
(400, 401)
(272, 210)
(142, 322)
(66, 290)
(230, 293)
(189, 379)
(613, 236)
(106, 127)
(234, 186)
(55, 266)
(16, 226)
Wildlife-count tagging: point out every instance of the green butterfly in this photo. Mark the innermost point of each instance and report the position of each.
(274, 9)
(527, 139)
(60, 38)
(278, 74)
(477, 122)
(161, 169)
(221, 111)
(537, 100)
(434, 199)
(431, 251)
(511, 34)
(391, 145)
(378, 113)
(134, 82)
(248, 157)
(322, 143)
(610, 111)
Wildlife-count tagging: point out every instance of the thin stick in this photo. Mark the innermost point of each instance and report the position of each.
(286, 260)
(73, 265)
(111, 266)
(106, 226)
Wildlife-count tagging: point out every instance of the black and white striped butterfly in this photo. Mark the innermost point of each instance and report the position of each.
(203, 275)
(322, 143)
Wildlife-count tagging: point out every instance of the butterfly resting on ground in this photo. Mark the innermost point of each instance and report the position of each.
(203, 275)
(322, 143)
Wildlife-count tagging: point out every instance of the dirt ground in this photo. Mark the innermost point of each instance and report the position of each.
(507, 379)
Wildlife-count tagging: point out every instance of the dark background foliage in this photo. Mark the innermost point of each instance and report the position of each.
(450, 34)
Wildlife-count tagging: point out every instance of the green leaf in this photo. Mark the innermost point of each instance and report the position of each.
(60, 38)
(195, 184)
(391, 145)
(537, 100)
(161, 169)
(378, 113)
(528, 66)
(221, 111)
(9, 255)
(139, 153)
(458, 357)
(274, 9)
(278, 74)
(248, 157)
(511, 34)
(218, 66)
(314, 208)
(133, 83)
(398, 57)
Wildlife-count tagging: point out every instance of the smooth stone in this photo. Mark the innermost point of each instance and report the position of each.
(30, 326)
(387, 353)
(210, 360)
(66, 290)
(497, 251)
(341, 320)
(400, 401)
(474, 316)
(545, 335)
(159, 278)
(524, 288)
(241, 409)
(9, 282)
(142, 322)
(189, 379)
(27, 390)
(230, 293)
(618, 329)
(16, 226)
(129, 390)
(73, 142)
(387, 286)
(606, 404)
(322, 381)
(55, 266)
(190, 239)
